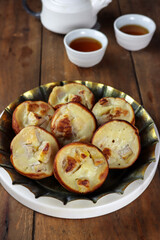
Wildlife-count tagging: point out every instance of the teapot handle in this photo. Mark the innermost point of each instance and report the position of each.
(28, 10)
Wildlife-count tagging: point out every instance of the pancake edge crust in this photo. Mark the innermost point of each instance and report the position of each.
(76, 98)
(34, 176)
(61, 181)
(117, 112)
(16, 124)
(136, 132)
(67, 127)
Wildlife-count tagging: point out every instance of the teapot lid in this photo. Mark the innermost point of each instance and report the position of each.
(67, 6)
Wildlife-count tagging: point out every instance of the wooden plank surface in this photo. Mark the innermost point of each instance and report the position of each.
(31, 55)
(147, 61)
(20, 46)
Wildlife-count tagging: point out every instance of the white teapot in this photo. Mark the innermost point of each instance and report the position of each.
(62, 16)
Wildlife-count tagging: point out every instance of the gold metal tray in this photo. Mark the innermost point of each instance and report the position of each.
(116, 181)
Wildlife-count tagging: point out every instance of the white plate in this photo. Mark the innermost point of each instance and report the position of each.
(78, 209)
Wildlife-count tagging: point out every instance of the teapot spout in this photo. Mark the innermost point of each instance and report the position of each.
(99, 4)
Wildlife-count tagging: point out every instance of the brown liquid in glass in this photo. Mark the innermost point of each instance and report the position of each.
(85, 44)
(134, 30)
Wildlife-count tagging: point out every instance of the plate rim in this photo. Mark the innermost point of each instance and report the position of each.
(69, 211)
(95, 209)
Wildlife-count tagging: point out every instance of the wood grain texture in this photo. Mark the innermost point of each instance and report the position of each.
(16, 221)
(20, 45)
(147, 61)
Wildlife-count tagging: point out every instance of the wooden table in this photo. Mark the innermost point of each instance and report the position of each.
(30, 55)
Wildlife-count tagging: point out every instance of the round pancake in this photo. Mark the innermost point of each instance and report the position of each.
(37, 113)
(71, 92)
(109, 108)
(32, 152)
(80, 167)
(119, 142)
(72, 122)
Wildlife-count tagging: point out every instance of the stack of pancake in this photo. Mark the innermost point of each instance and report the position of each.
(74, 138)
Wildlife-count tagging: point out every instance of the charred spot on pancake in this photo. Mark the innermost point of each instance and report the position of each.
(80, 167)
(46, 148)
(107, 152)
(32, 107)
(71, 163)
(103, 101)
(37, 113)
(119, 111)
(98, 162)
(73, 122)
(83, 155)
(110, 108)
(76, 98)
(64, 127)
(83, 182)
(71, 92)
(44, 106)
